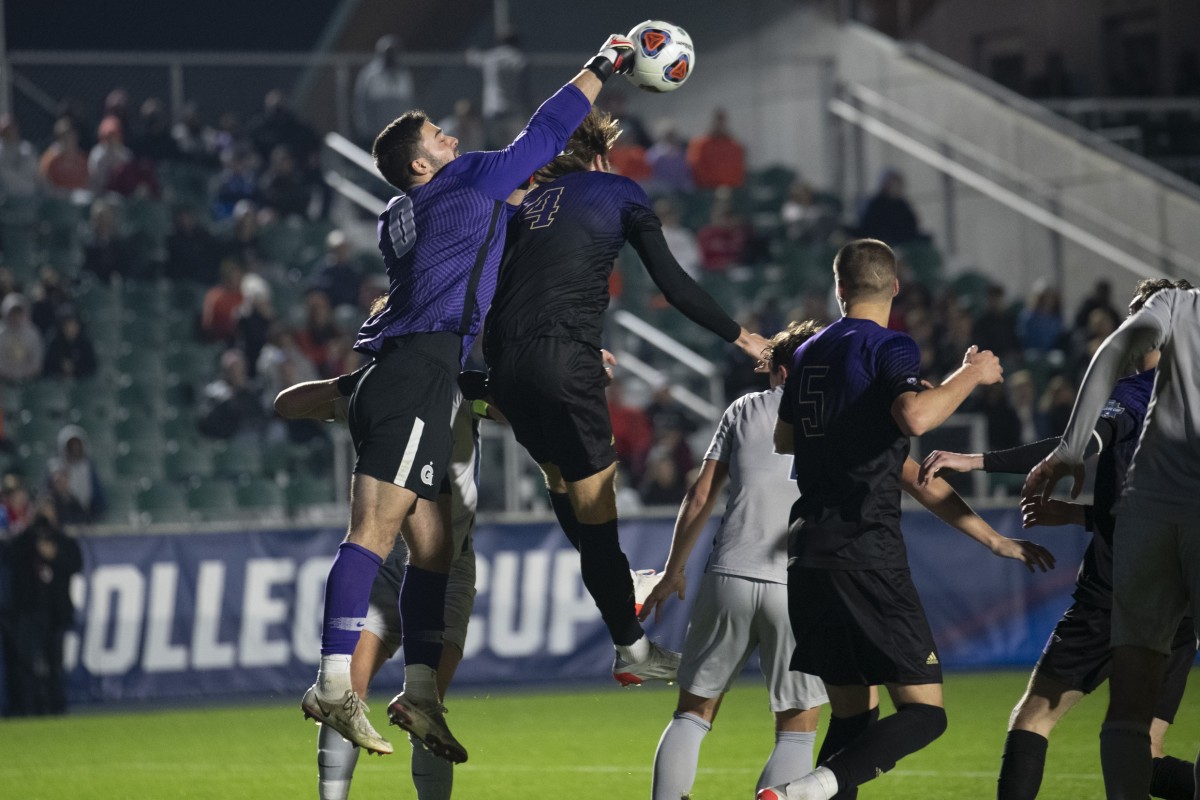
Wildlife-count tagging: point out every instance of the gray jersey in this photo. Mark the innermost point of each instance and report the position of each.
(1165, 473)
(752, 539)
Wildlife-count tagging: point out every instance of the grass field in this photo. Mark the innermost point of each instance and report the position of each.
(595, 744)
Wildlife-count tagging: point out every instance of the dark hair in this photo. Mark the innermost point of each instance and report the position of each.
(865, 268)
(595, 136)
(1149, 287)
(397, 146)
(784, 343)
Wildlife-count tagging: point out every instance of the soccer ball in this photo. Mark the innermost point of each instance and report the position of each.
(664, 56)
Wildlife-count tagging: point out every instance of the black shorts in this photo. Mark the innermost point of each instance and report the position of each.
(860, 627)
(401, 410)
(1078, 654)
(552, 392)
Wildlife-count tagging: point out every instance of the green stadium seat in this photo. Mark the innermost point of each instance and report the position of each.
(237, 459)
(303, 491)
(47, 397)
(164, 502)
(35, 428)
(260, 494)
(213, 500)
(189, 461)
(121, 500)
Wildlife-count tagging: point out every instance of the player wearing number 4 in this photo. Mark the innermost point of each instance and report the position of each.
(742, 601)
(441, 239)
(853, 398)
(543, 348)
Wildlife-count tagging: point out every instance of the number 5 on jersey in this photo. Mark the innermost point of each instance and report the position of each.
(811, 401)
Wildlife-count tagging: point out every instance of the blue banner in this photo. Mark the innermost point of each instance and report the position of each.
(169, 617)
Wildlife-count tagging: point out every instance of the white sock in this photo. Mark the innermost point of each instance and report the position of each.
(791, 759)
(433, 776)
(420, 681)
(677, 755)
(336, 759)
(820, 784)
(633, 653)
(333, 678)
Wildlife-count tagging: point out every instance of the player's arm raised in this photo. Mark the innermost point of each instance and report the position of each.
(694, 513)
(940, 498)
(920, 412)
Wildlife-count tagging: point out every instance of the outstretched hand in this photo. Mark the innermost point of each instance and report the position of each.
(1042, 479)
(1032, 555)
(943, 461)
(1051, 513)
(609, 361)
(671, 584)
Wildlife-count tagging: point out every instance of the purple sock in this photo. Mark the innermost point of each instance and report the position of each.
(347, 596)
(422, 615)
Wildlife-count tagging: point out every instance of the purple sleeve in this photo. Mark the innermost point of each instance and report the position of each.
(898, 365)
(497, 173)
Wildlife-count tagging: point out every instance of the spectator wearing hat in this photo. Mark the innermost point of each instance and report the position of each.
(82, 482)
(108, 153)
(338, 277)
(21, 345)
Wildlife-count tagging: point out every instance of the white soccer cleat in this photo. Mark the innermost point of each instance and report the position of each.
(661, 665)
(425, 719)
(347, 716)
(644, 581)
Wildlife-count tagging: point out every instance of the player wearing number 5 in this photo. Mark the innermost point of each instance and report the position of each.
(852, 399)
(543, 348)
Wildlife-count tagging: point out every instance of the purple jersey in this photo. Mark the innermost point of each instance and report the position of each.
(441, 242)
(849, 450)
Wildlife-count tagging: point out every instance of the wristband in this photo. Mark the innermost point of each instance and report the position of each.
(480, 408)
(601, 66)
(346, 384)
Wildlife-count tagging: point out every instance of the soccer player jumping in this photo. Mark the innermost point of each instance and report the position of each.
(441, 239)
(543, 348)
(853, 398)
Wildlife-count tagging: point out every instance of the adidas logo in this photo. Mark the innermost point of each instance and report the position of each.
(932, 659)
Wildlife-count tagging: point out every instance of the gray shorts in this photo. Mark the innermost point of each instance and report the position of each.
(732, 616)
(1156, 578)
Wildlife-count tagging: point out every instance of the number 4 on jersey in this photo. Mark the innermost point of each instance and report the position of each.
(541, 212)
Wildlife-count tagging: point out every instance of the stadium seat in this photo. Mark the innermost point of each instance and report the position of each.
(213, 500)
(188, 461)
(121, 500)
(36, 427)
(304, 491)
(47, 397)
(236, 459)
(164, 502)
(260, 494)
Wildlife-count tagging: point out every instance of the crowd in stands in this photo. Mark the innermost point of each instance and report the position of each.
(162, 280)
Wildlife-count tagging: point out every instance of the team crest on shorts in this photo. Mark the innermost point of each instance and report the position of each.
(427, 474)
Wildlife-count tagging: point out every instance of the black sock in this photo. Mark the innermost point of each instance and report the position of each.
(561, 503)
(1173, 779)
(606, 576)
(1022, 766)
(423, 614)
(882, 744)
(842, 731)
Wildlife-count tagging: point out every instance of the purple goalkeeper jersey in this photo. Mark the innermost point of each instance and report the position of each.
(441, 242)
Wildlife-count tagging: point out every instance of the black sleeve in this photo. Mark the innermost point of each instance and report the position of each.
(645, 234)
(1021, 459)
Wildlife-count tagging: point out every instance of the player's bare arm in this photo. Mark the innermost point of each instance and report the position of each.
(310, 400)
(784, 444)
(940, 461)
(694, 513)
(920, 412)
(753, 345)
(940, 498)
